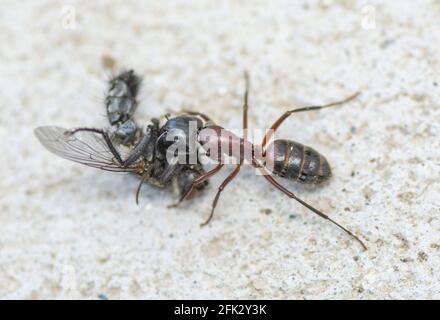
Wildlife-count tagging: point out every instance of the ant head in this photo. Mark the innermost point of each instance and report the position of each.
(209, 134)
(182, 129)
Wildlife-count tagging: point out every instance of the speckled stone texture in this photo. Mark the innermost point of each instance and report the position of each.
(68, 231)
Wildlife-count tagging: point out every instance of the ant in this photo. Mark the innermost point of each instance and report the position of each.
(289, 159)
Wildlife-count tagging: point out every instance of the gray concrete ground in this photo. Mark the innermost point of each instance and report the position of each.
(68, 231)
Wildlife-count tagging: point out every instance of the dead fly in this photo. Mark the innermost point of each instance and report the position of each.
(125, 147)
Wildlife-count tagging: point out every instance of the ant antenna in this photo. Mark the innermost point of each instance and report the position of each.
(138, 190)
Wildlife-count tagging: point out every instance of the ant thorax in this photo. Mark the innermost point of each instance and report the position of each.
(218, 143)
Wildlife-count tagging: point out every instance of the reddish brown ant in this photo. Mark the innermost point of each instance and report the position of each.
(289, 159)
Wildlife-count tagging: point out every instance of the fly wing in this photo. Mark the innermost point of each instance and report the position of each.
(85, 147)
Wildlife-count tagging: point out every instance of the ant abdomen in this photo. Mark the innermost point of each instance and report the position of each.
(295, 161)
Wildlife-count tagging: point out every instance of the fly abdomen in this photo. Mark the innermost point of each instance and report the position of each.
(121, 103)
(295, 161)
(121, 98)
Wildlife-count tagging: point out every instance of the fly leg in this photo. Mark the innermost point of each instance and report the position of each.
(145, 146)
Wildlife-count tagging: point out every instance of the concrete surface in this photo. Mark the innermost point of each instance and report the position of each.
(68, 231)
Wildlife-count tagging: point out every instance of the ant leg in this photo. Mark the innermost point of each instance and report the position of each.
(281, 119)
(237, 168)
(319, 213)
(196, 182)
(245, 105)
(219, 191)
(121, 103)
